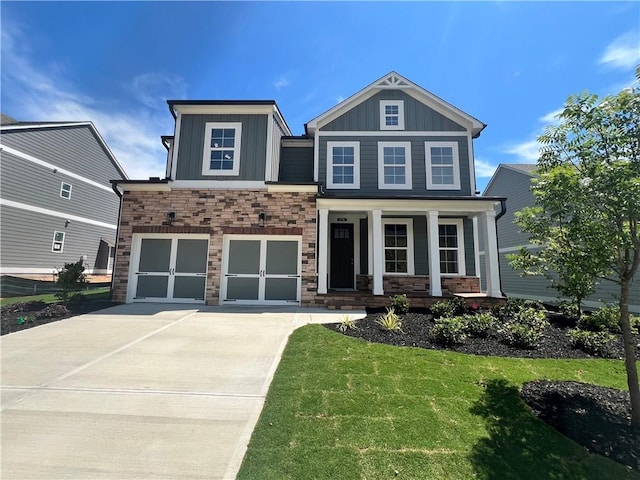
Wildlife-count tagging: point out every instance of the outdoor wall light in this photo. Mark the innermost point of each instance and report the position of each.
(262, 218)
(171, 216)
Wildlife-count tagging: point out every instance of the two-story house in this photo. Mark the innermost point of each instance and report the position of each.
(56, 200)
(376, 198)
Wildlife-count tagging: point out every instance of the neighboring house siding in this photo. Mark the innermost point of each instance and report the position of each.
(418, 117)
(369, 164)
(71, 148)
(515, 186)
(296, 164)
(27, 238)
(20, 176)
(253, 148)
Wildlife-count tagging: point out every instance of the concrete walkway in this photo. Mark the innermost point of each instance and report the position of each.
(141, 391)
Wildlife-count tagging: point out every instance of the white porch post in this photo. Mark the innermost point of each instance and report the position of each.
(435, 284)
(378, 252)
(323, 240)
(491, 267)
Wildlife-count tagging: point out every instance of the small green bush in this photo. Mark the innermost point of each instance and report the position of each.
(346, 323)
(481, 324)
(390, 322)
(594, 343)
(607, 319)
(440, 309)
(400, 304)
(71, 279)
(457, 305)
(525, 328)
(450, 330)
(569, 309)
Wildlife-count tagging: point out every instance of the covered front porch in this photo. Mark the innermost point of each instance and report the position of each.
(423, 247)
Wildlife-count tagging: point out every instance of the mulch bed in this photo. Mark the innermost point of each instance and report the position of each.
(595, 417)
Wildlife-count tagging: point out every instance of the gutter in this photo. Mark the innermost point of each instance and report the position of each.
(503, 210)
(114, 186)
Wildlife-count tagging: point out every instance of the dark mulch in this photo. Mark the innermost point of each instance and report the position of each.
(595, 417)
(21, 316)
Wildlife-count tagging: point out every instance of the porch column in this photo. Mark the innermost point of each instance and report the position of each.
(378, 252)
(435, 284)
(323, 238)
(491, 266)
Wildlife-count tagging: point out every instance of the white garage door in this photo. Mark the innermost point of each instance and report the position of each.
(168, 268)
(261, 269)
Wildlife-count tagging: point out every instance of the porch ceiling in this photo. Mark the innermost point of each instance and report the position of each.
(444, 205)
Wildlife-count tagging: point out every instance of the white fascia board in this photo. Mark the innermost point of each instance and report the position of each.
(223, 109)
(52, 167)
(292, 188)
(108, 150)
(472, 166)
(177, 132)
(44, 125)
(144, 187)
(444, 206)
(297, 143)
(53, 213)
(218, 184)
(391, 133)
(282, 121)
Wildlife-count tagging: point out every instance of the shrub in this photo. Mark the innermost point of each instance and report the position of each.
(457, 305)
(569, 309)
(605, 319)
(390, 322)
(525, 328)
(481, 324)
(595, 343)
(71, 279)
(440, 309)
(450, 330)
(347, 323)
(400, 304)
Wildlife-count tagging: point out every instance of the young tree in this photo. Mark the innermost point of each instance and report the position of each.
(587, 213)
(71, 279)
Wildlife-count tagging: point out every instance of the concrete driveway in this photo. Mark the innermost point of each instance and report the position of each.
(141, 391)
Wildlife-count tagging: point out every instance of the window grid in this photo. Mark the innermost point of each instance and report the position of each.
(448, 238)
(343, 165)
(396, 248)
(442, 164)
(394, 166)
(391, 115)
(58, 242)
(222, 148)
(65, 190)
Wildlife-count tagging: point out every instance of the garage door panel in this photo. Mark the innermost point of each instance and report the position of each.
(191, 256)
(189, 287)
(152, 286)
(281, 289)
(244, 257)
(155, 254)
(282, 257)
(239, 288)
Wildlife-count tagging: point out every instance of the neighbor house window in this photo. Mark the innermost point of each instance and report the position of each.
(443, 166)
(391, 115)
(398, 246)
(450, 235)
(221, 148)
(58, 242)
(65, 190)
(343, 165)
(394, 165)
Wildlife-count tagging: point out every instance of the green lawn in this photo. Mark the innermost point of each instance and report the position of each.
(94, 294)
(342, 408)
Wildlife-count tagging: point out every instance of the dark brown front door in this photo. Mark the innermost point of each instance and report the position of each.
(341, 255)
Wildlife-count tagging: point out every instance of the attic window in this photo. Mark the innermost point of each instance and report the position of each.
(221, 148)
(391, 115)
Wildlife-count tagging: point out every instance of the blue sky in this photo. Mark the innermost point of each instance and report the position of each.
(509, 64)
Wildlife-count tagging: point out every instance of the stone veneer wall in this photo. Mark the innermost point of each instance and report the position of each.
(217, 212)
(396, 284)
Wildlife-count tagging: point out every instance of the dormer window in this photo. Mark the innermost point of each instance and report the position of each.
(391, 115)
(221, 148)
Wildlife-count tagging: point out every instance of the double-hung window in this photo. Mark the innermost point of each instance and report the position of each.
(343, 165)
(391, 115)
(65, 190)
(394, 165)
(398, 246)
(451, 239)
(58, 242)
(443, 165)
(221, 148)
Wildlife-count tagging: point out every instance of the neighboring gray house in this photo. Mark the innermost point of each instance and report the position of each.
(513, 181)
(57, 204)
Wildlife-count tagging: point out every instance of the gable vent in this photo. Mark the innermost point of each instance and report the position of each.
(393, 81)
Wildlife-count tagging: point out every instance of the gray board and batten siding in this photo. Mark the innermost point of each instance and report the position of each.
(514, 183)
(32, 184)
(369, 165)
(253, 146)
(417, 116)
(421, 244)
(296, 164)
(73, 148)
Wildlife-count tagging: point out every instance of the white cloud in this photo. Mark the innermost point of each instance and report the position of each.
(623, 52)
(526, 152)
(340, 99)
(484, 169)
(552, 117)
(281, 83)
(41, 92)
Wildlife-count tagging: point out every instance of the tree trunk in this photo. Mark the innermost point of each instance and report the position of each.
(629, 352)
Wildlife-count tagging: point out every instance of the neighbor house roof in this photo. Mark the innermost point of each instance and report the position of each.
(523, 168)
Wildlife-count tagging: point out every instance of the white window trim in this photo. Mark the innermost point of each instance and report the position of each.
(53, 243)
(356, 165)
(62, 189)
(410, 262)
(456, 166)
(462, 268)
(400, 105)
(206, 155)
(408, 179)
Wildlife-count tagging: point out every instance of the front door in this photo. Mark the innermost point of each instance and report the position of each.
(341, 255)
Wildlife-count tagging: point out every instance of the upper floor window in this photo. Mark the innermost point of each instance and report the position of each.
(65, 190)
(391, 115)
(394, 165)
(443, 166)
(398, 246)
(221, 148)
(451, 239)
(343, 165)
(58, 242)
